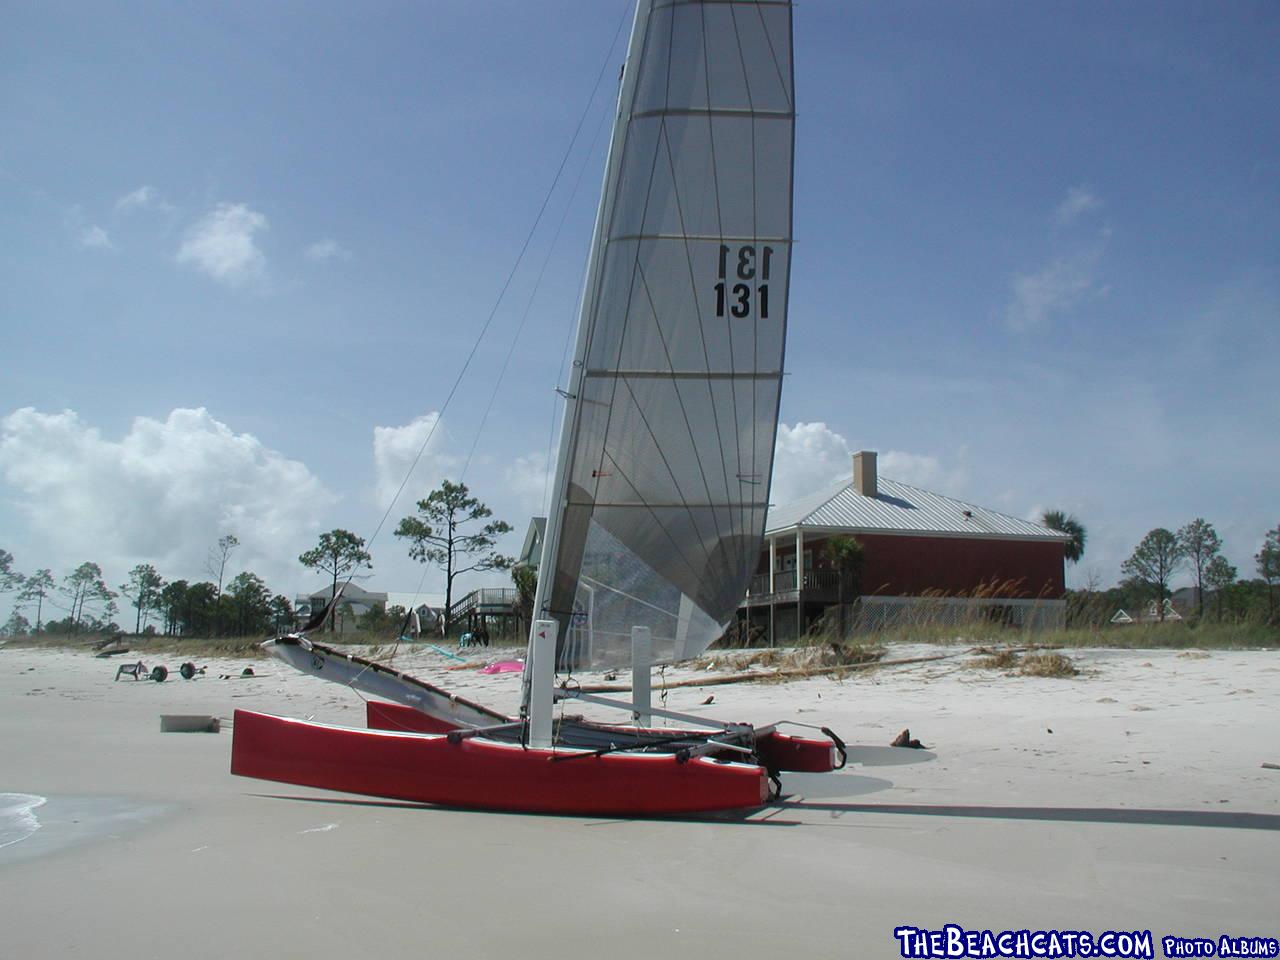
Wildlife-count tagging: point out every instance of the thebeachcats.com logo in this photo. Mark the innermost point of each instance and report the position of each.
(953, 941)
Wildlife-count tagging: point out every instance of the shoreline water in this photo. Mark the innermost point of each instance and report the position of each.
(18, 820)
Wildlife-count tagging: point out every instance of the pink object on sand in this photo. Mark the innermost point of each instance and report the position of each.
(504, 666)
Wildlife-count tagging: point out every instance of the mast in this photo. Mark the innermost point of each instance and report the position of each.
(560, 479)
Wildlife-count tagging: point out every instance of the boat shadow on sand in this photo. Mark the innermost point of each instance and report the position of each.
(807, 802)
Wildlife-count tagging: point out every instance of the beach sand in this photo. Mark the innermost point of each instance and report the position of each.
(1132, 797)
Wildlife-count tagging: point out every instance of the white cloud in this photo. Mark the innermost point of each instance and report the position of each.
(811, 456)
(222, 244)
(144, 198)
(95, 238)
(327, 249)
(1054, 288)
(525, 484)
(395, 450)
(1079, 201)
(922, 470)
(162, 494)
(807, 457)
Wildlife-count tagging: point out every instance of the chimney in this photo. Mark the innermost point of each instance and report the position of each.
(864, 473)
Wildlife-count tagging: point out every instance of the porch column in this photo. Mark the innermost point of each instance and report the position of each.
(773, 560)
(799, 582)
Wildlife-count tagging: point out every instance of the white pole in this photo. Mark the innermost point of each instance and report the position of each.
(591, 282)
(641, 697)
(542, 674)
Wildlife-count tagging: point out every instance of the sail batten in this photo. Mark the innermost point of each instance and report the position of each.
(671, 415)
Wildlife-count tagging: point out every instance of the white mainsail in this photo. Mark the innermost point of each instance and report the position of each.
(662, 481)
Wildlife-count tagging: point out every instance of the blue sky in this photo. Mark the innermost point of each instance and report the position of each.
(244, 250)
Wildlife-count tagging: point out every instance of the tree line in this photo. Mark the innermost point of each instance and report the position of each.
(1195, 549)
(451, 529)
(242, 606)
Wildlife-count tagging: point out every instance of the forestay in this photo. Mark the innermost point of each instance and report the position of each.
(663, 478)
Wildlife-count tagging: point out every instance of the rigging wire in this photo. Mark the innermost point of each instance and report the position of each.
(538, 282)
(497, 384)
(497, 303)
(524, 247)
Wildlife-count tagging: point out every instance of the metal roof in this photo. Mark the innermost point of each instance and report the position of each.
(899, 508)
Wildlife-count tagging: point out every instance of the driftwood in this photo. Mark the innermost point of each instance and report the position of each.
(758, 675)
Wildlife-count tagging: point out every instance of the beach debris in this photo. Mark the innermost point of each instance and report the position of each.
(137, 670)
(904, 739)
(188, 723)
(1050, 729)
(245, 674)
(446, 653)
(111, 653)
(503, 666)
(710, 699)
(114, 639)
(996, 659)
(1270, 766)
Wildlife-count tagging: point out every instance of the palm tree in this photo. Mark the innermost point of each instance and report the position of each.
(1068, 524)
(846, 555)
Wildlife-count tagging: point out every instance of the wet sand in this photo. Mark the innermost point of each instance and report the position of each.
(1132, 797)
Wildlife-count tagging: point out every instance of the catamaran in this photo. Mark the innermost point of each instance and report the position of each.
(662, 479)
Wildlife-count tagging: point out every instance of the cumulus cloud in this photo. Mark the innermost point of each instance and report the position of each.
(95, 238)
(1079, 201)
(222, 244)
(144, 198)
(162, 493)
(396, 450)
(811, 456)
(327, 249)
(807, 457)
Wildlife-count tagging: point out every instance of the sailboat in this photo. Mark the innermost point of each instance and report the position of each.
(662, 479)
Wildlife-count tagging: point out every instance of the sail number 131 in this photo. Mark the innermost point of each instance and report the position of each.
(737, 299)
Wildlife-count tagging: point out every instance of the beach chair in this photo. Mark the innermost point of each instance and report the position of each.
(136, 670)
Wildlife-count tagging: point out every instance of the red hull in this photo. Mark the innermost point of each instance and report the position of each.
(777, 751)
(485, 775)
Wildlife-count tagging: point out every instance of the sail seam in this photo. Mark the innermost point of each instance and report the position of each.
(708, 237)
(736, 112)
(687, 374)
(707, 3)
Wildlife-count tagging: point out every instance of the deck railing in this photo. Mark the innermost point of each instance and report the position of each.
(784, 581)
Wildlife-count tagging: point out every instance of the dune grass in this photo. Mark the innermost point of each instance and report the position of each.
(1047, 665)
(1176, 635)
